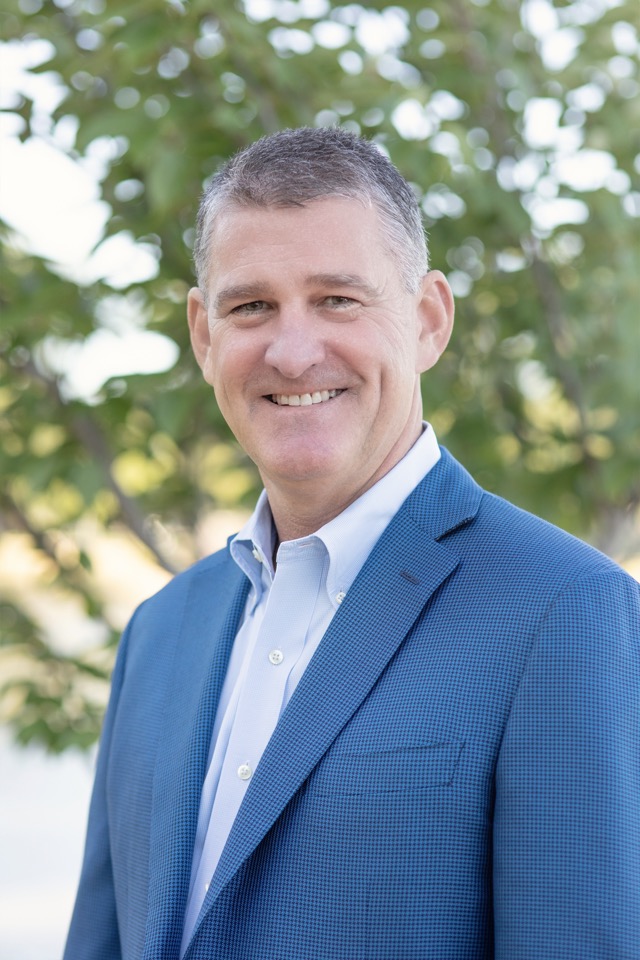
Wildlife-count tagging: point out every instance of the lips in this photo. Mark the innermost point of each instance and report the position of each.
(303, 399)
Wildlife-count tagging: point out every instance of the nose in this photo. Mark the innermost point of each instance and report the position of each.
(296, 344)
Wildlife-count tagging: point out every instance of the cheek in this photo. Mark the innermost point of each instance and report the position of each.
(233, 364)
(398, 371)
(222, 362)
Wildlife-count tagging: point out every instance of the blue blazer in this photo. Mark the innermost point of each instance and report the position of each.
(456, 777)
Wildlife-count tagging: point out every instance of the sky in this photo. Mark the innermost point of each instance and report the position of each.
(53, 204)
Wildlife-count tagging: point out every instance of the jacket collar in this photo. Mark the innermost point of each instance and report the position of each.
(212, 607)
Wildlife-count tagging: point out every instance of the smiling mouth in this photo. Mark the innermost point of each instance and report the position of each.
(303, 399)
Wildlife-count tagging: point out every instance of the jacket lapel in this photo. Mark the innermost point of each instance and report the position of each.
(405, 568)
(213, 606)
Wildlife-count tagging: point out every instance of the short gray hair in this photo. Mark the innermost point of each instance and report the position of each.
(294, 167)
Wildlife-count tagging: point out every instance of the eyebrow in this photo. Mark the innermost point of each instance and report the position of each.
(241, 291)
(350, 280)
(259, 291)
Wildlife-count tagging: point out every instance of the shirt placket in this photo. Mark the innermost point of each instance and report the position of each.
(280, 642)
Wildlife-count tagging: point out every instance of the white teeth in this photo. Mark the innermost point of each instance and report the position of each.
(304, 399)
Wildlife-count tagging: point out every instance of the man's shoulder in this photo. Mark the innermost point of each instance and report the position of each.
(217, 568)
(538, 540)
(503, 537)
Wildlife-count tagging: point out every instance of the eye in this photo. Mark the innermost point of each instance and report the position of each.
(247, 309)
(339, 302)
(253, 311)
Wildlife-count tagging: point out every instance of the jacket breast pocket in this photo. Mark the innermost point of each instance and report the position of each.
(402, 768)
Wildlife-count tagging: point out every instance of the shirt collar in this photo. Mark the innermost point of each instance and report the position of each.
(350, 537)
(253, 545)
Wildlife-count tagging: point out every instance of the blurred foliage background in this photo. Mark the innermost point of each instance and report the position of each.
(518, 122)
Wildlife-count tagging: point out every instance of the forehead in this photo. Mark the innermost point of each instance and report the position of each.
(328, 235)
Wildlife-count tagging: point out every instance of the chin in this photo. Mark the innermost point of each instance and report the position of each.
(299, 469)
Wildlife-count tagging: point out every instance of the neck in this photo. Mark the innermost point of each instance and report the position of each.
(300, 508)
(293, 524)
(295, 520)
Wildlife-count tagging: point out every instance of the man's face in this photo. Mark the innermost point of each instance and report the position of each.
(312, 344)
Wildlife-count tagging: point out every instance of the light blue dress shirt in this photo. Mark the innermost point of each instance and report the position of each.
(287, 613)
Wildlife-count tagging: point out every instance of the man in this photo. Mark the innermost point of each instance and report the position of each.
(398, 718)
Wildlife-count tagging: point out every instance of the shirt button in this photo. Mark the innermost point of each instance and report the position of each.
(257, 554)
(276, 657)
(244, 771)
(340, 596)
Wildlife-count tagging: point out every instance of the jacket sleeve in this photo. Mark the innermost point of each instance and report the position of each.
(93, 934)
(567, 815)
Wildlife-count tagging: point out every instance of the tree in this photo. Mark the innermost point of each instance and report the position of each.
(518, 123)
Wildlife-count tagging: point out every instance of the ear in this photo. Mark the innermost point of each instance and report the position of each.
(198, 327)
(435, 314)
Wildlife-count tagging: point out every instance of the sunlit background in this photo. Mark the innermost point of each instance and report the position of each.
(53, 204)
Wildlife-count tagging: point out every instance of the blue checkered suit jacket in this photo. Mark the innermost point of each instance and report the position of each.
(457, 776)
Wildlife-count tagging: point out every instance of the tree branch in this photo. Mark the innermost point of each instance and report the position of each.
(93, 440)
